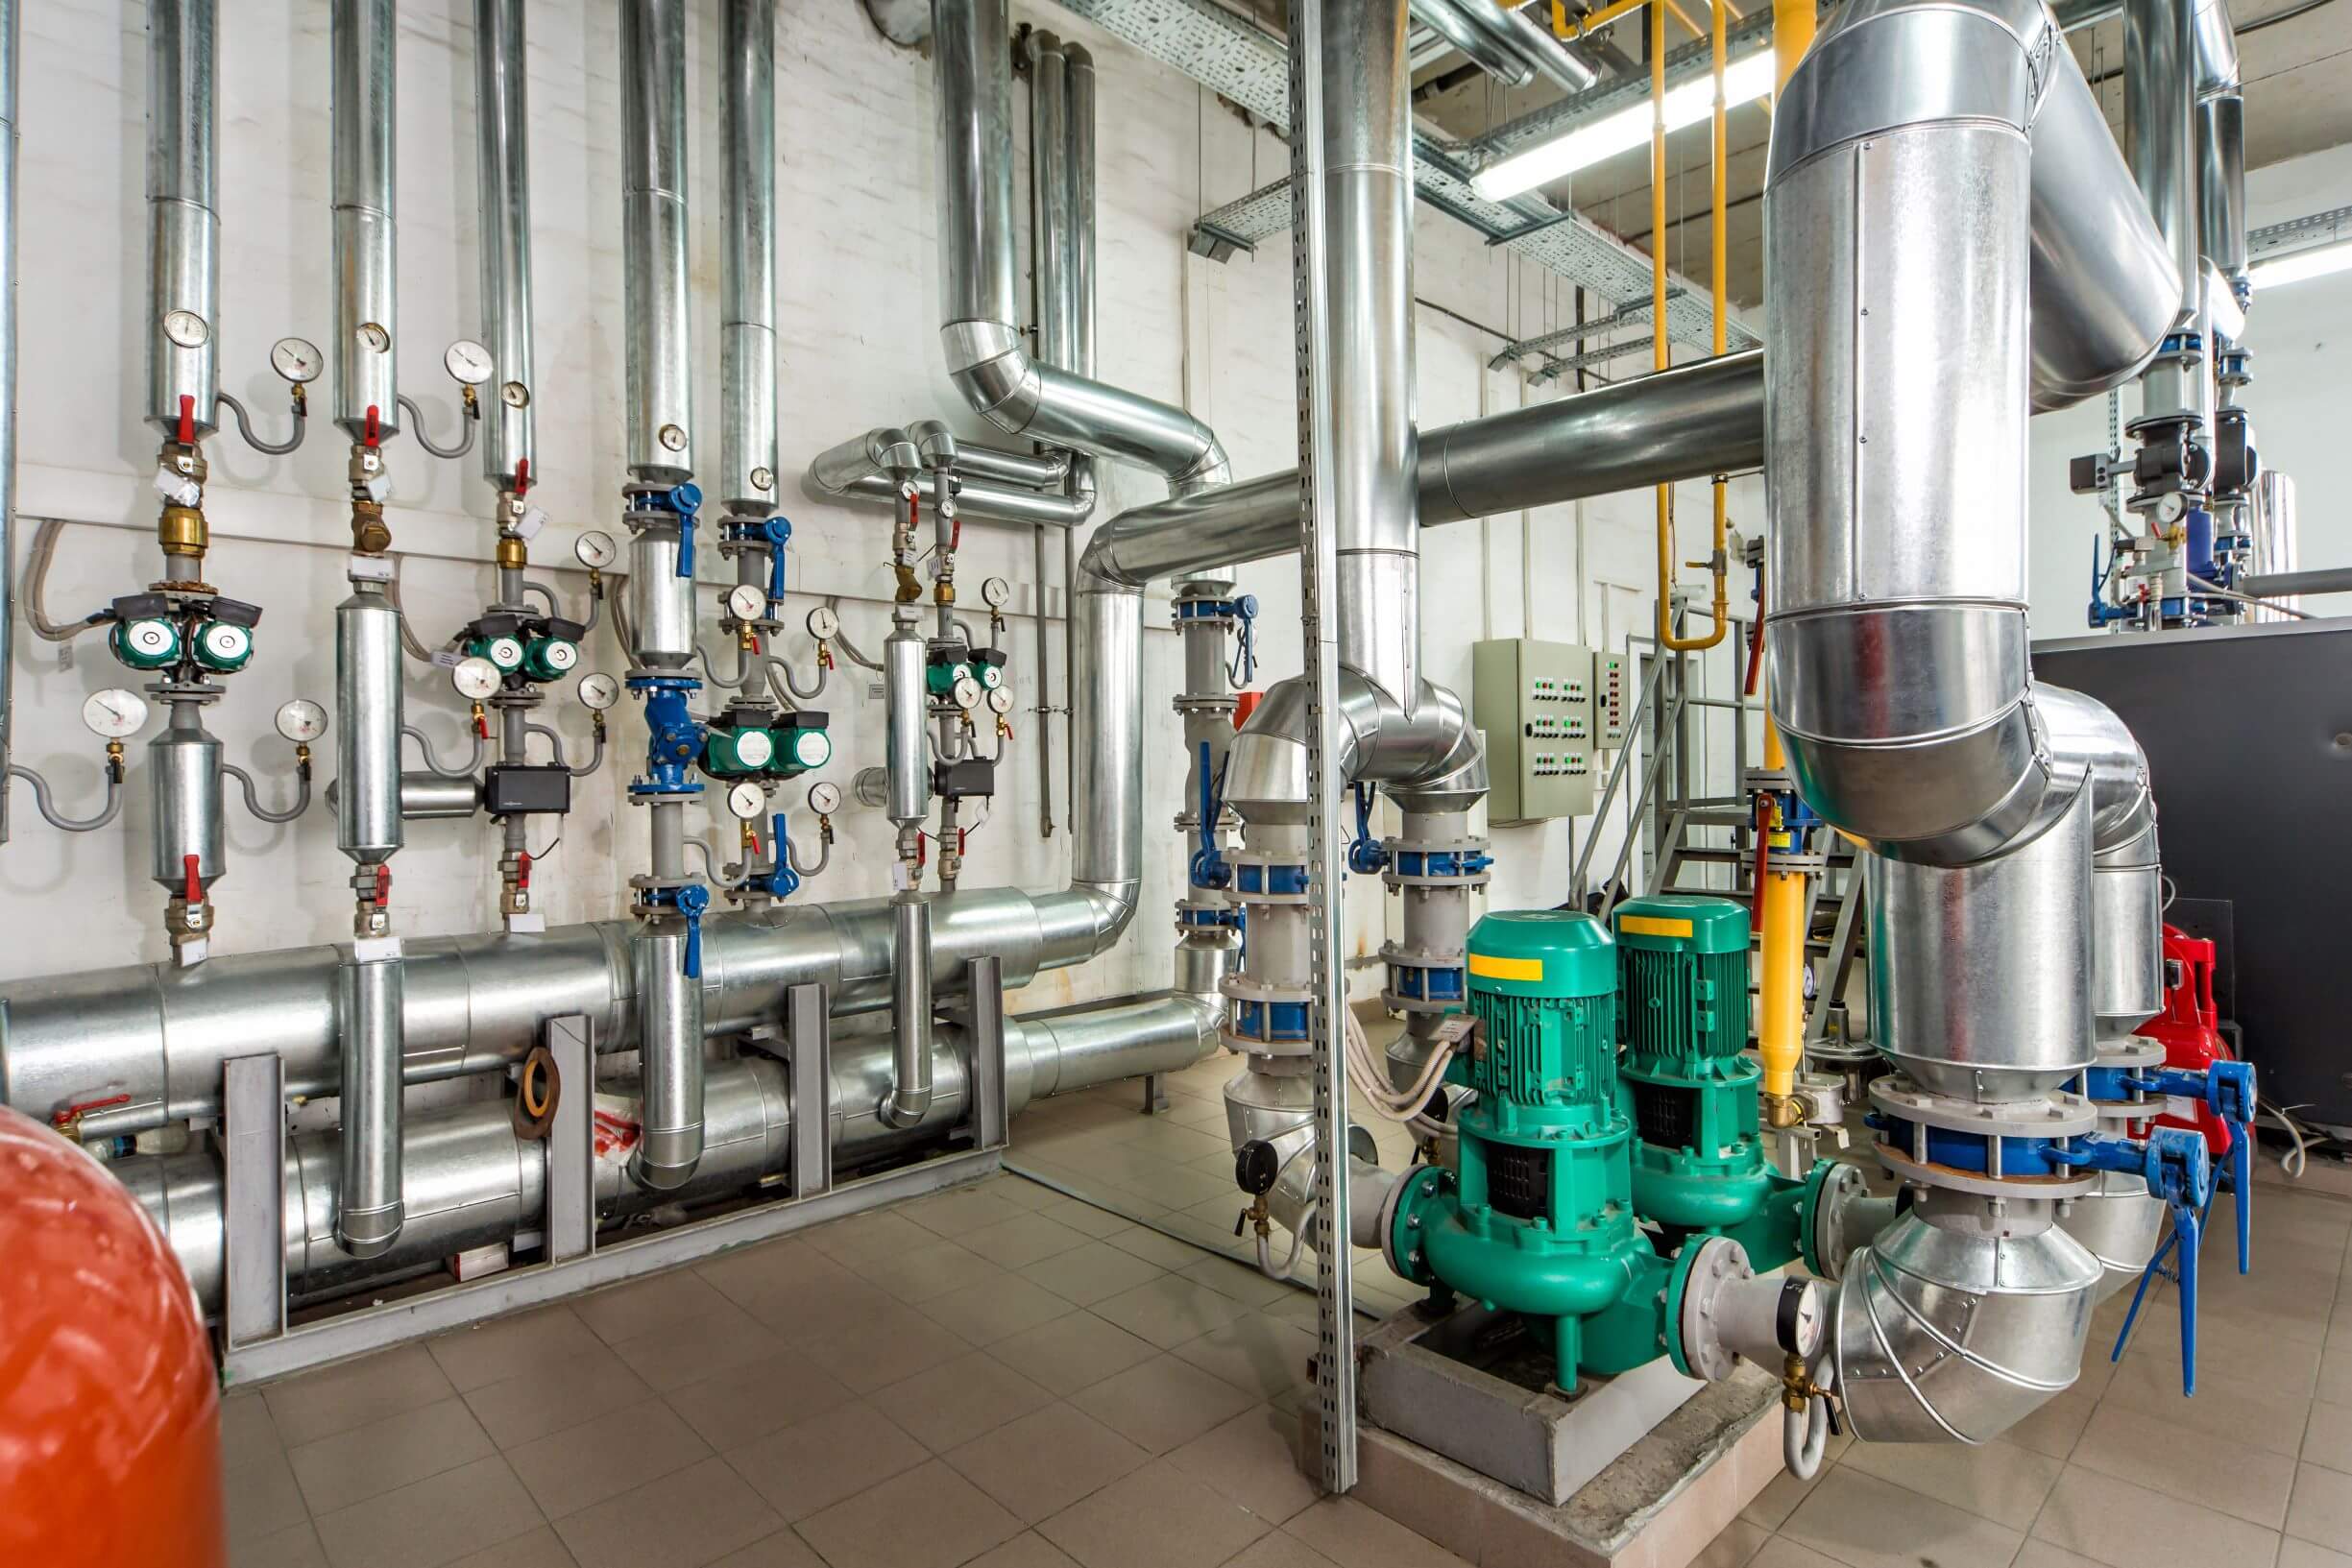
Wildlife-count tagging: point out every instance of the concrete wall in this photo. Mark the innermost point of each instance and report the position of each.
(858, 317)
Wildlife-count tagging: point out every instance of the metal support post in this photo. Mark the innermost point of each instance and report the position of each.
(986, 992)
(1155, 1094)
(253, 1131)
(572, 1140)
(808, 1014)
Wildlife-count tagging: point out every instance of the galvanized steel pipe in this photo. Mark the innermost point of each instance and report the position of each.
(661, 424)
(747, 277)
(183, 778)
(183, 224)
(361, 41)
(502, 166)
(909, 1100)
(2160, 129)
(369, 1207)
(1049, 180)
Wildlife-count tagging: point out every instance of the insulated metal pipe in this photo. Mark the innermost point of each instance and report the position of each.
(906, 753)
(10, 29)
(183, 226)
(1107, 756)
(502, 166)
(2160, 129)
(1450, 22)
(653, 239)
(1049, 180)
(184, 773)
(908, 1100)
(1368, 191)
(1078, 168)
(370, 1210)
(2222, 186)
(747, 277)
(669, 1028)
(361, 45)
(368, 720)
(979, 498)
(370, 1005)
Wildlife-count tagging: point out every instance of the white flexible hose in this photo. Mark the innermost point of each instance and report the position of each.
(1805, 1436)
(1387, 1102)
(1299, 1240)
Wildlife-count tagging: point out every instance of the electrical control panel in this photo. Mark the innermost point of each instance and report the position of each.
(1544, 708)
(1609, 699)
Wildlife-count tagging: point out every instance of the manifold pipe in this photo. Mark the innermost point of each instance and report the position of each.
(659, 444)
(986, 354)
(361, 45)
(908, 1100)
(183, 226)
(503, 181)
(1367, 190)
(1899, 674)
(747, 277)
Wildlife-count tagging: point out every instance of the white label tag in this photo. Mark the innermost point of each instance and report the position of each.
(448, 658)
(369, 568)
(374, 950)
(2181, 1107)
(178, 488)
(527, 525)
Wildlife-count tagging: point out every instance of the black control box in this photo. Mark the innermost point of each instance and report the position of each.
(515, 789)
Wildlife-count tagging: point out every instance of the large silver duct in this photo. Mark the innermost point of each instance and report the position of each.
(503, 185)
(661, 424)
(183, 226)
(1050, 194)
(2160, 131)
(747, 276)
(987, 355)
(9, 28)
(362, 42)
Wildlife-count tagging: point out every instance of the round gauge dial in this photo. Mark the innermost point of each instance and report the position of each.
(302, 721)
(811, 748)
(514, 395)
(746, 601)
(374, 338)
(746, 800)
(225, 644)
(763, 480)
(673, 437)
(599, 691)
(823, 623)
(475, 679)
(754, 748)
(995, 592)
(824, 799)
(1000, 701)
(467, 362)
(966, 692)
(113, 714)
(297, 359)
(187, 328)
(504, 651)
(595, 549)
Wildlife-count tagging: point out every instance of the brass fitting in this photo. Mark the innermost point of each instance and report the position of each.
(182, 532)
(1798, 1386)
(747, 637)
(910, 589)
(370, 535)
(1256, 1217)
(943, 591)
(1783, 1111)
(513, 552)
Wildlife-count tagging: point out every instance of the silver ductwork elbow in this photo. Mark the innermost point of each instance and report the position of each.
(1427, 761)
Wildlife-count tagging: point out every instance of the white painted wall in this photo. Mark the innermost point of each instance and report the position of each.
(857, 318)
(2299, 334)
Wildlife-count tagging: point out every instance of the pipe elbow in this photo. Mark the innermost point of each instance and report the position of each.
(1112, 907)
(666, 1157)
(904, 1108)
(991, 366)
(881, 451)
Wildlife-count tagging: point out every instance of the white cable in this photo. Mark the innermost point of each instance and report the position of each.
(2297, 1162)
(1386, 1102)
(1299, 1237)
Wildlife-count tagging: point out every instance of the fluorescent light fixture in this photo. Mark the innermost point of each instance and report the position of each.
(2317, 262)
(1691, 103)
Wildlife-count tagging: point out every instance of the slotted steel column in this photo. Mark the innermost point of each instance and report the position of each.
(1335, 1361)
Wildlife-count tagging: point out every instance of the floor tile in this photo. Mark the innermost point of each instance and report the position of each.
(1152, 1247)
(1245, 1283)
(297, 1546)
(959, 1214)
(2334, 1381)
(2043, 1555)
(2295, 1553)
(1020, 1242)
(992, 1309)
(730, 1409)
(1169, 1311)
(2328, 1438)
(2083, 1513)
(332, 1399)
(641, 1306)
(2055, 1426)
(813, 1306)
(1868, 1523)
(262, 1498)
(354, 1465)
(877, 1230)
(521, 1409)
(1028, 1550)
(927, 1518)
(2322, 1507)
(1155, 1517)
(1085, 1217)
(808, 1467)
(1347, 1532)
(1770, 1508)
(716, 1342)
(2212, 1472)
(1253, 1353)
(1093, 1273)
(1250, 1461)
(916, 1274)
(542, 1548)
(683, 1520)
(1019, 1192)
(784, 1549)
(746, 1274)
(1040, 1465)
(432, 1522)
(894, 1343)
(1162, 1404)
(247, 1432)
(1071, 1353)
(951, 1404)
(1281, 1551)
(2268, 1420)
(567, 1471)
(542, 1342)
(1779, 1552)
(1996, 1480)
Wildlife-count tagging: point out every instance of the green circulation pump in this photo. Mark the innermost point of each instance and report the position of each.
(1540, 1218)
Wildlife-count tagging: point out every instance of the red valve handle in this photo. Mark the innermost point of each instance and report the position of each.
(384, 886)
(187, 420)
(196, 883)
(523, 477)
(373, 430)
(523, 869)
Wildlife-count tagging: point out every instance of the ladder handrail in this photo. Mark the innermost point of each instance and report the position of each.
(1616, 776)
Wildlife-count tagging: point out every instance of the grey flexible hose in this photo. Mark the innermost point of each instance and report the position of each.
(710, 863)
(40, 800)
(416, 428)
(555, 606)
(555, 744)
(595, 758)
(252, 796)
(792, 686)
(734, 683)
(1805, 1436)
(840, 637)
(432, 764)
(276, 449)
(37, 583)
(824, 855)
(620, 619)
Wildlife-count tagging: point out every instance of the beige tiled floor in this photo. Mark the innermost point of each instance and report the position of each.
(1006, 1378)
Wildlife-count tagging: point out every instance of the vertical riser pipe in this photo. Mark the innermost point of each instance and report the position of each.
(503, 168)
(747, 326)
(184, 772)
(669, 1047)
(183, 224)
(368, 720)
(910, 1097)
(369, 1211)
(1049, 144)
(905, 748)
(367, 335)
(653, 238)
(661, 602)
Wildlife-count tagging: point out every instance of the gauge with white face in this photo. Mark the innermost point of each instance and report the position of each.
(297, 359)
(824, 799)
(475, 679)
(113, 714)
(302, 721)
(747, 801)
(995, 592)
(514, 395)
(746, 601)
(823, 623)
(595, 549)
(374, 338)
(967, 692)
(1000, 701)
(599, 691)
(187, 328)
(467, 362)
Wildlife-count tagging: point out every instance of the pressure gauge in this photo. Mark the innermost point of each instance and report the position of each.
(514, 395)
(599, 691)
(746, 602)
(824, 799)
(113, 714)
(467, 362)
(966, 692)
(995, 592)
(2170, 506)
(595, 549)
(302, 721)
(747, 801)
(187, 328)
(297, 359)
(824, 624)
(1000, 701)
(475, 679)
(374, 338)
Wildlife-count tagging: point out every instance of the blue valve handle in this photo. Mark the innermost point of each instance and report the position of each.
(1209, 862)
(1246, 612)
(1364, 856)
(778, 533)
(685, 500)
(2228, 1090)
(691, 901)
(2178, 1171)
(783, 881)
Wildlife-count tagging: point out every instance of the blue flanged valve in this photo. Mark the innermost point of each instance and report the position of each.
(2227, 1089)
(782, 881)
(684, 500)
(1209, 862)
(673, 736)
(2179, 1173)
(775, 532)
(691, 901)
(1367, 856)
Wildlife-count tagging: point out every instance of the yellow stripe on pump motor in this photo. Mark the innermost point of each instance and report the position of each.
(1652, 926)
(1506, 969)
